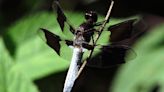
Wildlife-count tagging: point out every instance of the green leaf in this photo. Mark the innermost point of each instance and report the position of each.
(145, 73)
(5, 65)
(36, 59)
(32, 56)
(104, 38)
(12, 81)
(66, 52)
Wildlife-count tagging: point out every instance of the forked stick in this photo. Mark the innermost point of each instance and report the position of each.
(98, 36)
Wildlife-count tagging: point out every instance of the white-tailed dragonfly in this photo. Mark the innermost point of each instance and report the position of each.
(109, 55)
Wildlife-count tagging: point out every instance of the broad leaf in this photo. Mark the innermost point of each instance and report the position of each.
(31, 54)
(38, 61)
(12, 81)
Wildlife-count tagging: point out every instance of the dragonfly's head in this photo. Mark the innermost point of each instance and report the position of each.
(91, 16)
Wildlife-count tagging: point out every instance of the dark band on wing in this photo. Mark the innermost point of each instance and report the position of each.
(68, 42)
(61, 18)
(121, 31)
(52, 40)
(87, 46)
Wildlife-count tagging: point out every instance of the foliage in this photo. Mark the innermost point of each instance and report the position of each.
(31, 53)
(26, 57)
(145, 73)
(12, 80)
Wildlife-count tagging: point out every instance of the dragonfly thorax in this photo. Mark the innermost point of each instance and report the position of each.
(85, 30)
(83, 34)
(79, 39)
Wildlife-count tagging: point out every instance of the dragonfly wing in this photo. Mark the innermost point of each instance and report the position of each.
(121, 31)
(61, 18)
(51, 39)
(69, 43)
(87, 46)
(109, 56)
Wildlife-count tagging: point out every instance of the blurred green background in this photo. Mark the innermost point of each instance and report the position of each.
(27, 64)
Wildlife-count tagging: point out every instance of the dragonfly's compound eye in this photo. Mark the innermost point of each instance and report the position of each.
(91, 15)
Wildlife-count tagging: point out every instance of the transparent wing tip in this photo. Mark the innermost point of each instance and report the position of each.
(41, 33)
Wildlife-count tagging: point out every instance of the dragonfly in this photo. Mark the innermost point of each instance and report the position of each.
(83, 35)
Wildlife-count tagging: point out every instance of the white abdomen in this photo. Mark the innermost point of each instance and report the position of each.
(73, 69)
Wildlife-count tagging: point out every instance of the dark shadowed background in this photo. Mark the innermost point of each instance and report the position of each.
(91, 79)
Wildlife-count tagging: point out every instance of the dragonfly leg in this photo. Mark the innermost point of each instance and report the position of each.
(99, 23)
